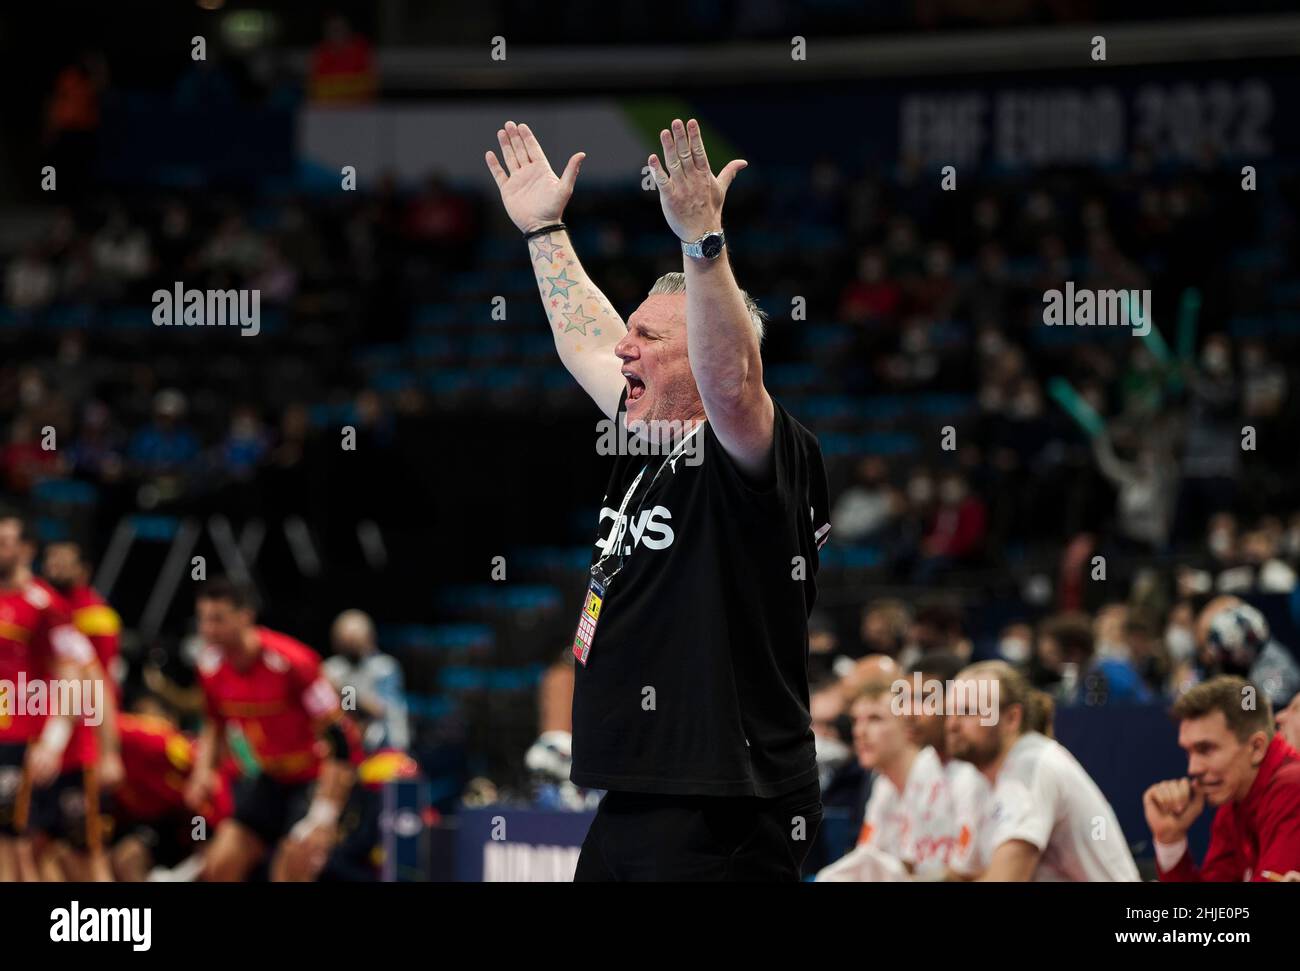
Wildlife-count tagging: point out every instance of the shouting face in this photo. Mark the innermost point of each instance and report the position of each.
(660, 385)
(222, 624)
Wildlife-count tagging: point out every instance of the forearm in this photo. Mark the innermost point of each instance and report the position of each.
(205, 751)
(720, 337)
(109, 740)
(583, 322)
(334, 783)
(1013, 862)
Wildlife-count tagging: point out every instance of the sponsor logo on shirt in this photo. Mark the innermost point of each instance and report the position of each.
(650, 528)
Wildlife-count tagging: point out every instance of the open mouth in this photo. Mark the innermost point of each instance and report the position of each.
(635, 386)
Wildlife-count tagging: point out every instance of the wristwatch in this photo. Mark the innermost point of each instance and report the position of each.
(709, 246)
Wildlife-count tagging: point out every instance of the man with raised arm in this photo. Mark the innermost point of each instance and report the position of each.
(691, 691)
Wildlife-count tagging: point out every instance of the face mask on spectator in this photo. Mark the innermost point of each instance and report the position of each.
(1291, 542)
(1220, 542)
(1215, 360)
(1025, 406)
(831, 752)
(1180, 643)
(1014, 650)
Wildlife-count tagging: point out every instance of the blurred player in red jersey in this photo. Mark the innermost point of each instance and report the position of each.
(268, 700)
(43, 759)
(154, 826)
(65, 569)
(70, 828)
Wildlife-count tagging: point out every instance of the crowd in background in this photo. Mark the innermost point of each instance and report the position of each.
(987, 549)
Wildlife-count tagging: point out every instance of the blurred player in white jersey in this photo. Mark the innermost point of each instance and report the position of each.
(905, 777)
(1047, 819)
(946, 833)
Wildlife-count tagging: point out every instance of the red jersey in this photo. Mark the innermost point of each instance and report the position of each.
(1258, 833)
(101, 625)
(83, 746)
(268, 709)
(158, 759)
(35, 631)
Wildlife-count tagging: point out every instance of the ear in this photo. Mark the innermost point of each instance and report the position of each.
(1013, 716)
(1258, 743)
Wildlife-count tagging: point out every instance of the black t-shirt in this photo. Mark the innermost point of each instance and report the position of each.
(697, 678)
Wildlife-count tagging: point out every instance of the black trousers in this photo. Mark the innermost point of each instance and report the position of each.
(643, 837)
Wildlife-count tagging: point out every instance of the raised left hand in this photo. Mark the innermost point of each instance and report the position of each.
(689, 192)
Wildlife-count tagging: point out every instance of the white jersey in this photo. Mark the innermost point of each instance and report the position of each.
(892, 818)
(967, 802)
(1043, 796)
(933, 825)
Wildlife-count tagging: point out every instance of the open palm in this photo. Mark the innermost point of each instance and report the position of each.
(530, 190)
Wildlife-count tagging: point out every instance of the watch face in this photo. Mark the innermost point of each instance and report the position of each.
(711, 245)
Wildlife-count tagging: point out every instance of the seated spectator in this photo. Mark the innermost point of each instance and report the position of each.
(1238, 764)
(1108, 631)
(246, 444)
(956, 531)
(96, 453)
(866, 507)
(30, 280)
(1146, 653)
(24, 460)
(121, 253)
(1234, 639)
(1260, 568)
(937, 629)
(1180, 647)
(1047, 819)
(1066, 649)
(872, 296)
(884, 627)
(1016, 643)
(823, 646)
(166, 446)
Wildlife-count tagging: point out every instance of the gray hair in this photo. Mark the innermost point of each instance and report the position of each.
(676, 283)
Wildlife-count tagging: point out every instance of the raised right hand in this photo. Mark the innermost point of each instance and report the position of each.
(1171, 807)
(532, 194)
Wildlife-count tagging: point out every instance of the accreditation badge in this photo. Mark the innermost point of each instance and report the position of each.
(587, 619)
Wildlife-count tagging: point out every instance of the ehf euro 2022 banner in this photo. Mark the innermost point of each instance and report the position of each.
(1095, 119)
